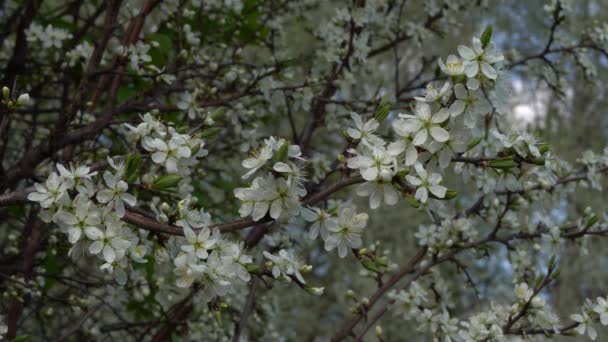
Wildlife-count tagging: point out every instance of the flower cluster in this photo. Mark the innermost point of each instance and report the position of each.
(447, 234)
(340, 227)
(177, 152)
(425, 142)
(89, 211)
(279, 190)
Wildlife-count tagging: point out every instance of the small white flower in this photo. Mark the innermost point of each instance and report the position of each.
(75, 174)
(258, 160)
(479, 58)
(379, 191)
(522, 292)
(55, 188)
(585, 323)
(376, 162)
(433, 94)
(347, 233)
(424, 124)
(426, 183)
(285, 264)
(365, 132)
(602, 310)
(116, 194)
(170, 153)
(109, 242)
(321, 221)
(199, 244)
(452, 67)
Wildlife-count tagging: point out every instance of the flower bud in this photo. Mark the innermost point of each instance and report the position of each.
(6, 92)
(386, 175)
(23, 100)
(306, 269)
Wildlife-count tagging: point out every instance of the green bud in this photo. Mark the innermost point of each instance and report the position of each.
(6, 92)
(253, 268)
(315, 291)
(166, 181)
(370, 265)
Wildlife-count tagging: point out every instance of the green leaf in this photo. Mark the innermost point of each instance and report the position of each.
(591, 221)
(413, 201)
(502, 163)
(473, 142)
(218, 114)
(486, 36)
(281, 153)
(166, 181)
(370, 265)
(253, 268)
(450, 194)
(21, 338)
(132, 166)
(404, 172)
(384, 108)
(209, 132)
(538, 161)
(544, 148)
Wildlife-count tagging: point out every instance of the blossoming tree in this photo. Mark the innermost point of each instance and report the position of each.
(168, 165)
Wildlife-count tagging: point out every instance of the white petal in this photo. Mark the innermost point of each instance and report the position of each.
(415, 181)
(281, 167)
(438, 190)
(441, 116)
(471, 69)
(105, 196)
(488, 70)
(390, 195)
(93, 233)
(439, 134)
(423, 110)
(375, 199)
(95, 247)
(420, 137)
(395, 148)
(259, 210)
(420, 170)
(370, 173)
(477, 46)
(108, 254)
(411, 155)
(457, 108)
(466, 52)
(275, 209)
(130, 199)
(422, 195)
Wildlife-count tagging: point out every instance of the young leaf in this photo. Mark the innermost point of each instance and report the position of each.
(486, 36)
(166, 181)
(502, 163)
(384, 108)
(132, 165)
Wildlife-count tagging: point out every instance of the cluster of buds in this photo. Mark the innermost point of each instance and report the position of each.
(10, 102)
